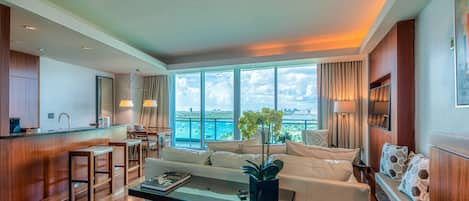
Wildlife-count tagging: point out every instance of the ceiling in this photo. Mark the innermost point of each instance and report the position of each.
(160, 36)
(66, 45)
(180, 31)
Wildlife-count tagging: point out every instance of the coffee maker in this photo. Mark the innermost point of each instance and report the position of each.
(15, 126)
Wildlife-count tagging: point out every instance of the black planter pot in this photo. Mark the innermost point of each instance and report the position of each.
(263, 190)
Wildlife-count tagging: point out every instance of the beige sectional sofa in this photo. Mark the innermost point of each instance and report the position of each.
(306, 189)
(312, 179)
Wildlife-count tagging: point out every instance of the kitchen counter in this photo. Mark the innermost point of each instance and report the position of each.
(36, 166)
(56, 132)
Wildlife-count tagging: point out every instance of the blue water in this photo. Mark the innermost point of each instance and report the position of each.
(186, 130)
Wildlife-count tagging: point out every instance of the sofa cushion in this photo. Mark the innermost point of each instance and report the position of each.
(155, 167)
(390, 187)
(416, 180)
(393, 160)
(319, 152)
(316, 137)
(314, 168)
(257, 149)
(229, 146)
(233, 160)
(186, 155)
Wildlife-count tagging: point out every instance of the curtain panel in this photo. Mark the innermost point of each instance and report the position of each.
(341, 81)
(156, 88)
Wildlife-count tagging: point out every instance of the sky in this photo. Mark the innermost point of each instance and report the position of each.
(297, 88)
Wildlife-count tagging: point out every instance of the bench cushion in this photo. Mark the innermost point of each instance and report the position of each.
(390, 187)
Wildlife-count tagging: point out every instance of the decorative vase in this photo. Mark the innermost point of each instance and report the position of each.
(263, 190)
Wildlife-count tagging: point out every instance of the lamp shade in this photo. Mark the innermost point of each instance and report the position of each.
(126, 103)
(150, 103)
(344, 107)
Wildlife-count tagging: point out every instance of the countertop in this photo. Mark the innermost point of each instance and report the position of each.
(56, 132)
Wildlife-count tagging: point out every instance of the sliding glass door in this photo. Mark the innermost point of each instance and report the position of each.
(207, 103)
(187, 108)
(297, 98)
(219, 104)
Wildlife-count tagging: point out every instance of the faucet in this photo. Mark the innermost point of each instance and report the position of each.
(68, 117)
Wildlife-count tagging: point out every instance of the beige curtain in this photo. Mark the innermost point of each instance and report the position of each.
(156, 88)
(341, 81)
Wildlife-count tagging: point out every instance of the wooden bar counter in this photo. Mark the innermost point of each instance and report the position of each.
(35, 166)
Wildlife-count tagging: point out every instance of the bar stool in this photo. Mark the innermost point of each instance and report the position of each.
(91, 153)
(130, 144)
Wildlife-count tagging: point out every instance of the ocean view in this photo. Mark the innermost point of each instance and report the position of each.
(219, 126)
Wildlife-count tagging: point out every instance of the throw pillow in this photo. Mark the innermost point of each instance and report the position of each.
(300, 149)
(257, 149)
(393, 160)
(316, 137)
(314, 168)
(233, 160)
(229, 146)
(185, 155)
(416, 180)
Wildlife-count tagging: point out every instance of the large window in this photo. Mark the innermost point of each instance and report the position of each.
(207, 104)
(219, 103)
(297, 98)
(187, 124)
(257, 89)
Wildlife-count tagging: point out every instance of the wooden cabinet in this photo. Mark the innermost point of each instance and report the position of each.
(392, 62)
(24, 88)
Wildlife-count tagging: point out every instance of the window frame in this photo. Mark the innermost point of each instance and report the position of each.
(236, 94)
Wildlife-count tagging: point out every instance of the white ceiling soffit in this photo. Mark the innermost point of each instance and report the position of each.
(62, 35)
(393, 11)
(316, 56)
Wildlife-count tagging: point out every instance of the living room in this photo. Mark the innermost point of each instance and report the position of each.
(302, 100)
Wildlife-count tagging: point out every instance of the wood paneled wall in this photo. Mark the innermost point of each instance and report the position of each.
(36, 167)
(449, 175)
(24, 88)
(392, 61)
(4, 68)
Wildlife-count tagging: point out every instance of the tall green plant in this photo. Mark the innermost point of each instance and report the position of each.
(248, 124)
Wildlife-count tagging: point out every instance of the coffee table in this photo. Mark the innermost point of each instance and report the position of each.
(202, 189)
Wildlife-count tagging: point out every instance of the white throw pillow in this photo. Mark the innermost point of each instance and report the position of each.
(257, 149)
(300, 149)
(229, 146)
(338, 170)
(416, 180)
(233, 160)
(393, 160)
(185, 155)
(316, 137)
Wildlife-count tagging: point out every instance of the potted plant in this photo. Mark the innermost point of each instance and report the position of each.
(263, 180)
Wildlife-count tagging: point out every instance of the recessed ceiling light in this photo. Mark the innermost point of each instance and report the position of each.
(29, 27)
(41, 49)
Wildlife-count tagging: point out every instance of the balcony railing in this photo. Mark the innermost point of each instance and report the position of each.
(187, 130)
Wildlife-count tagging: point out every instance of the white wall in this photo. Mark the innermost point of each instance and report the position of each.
(435, 108)
(67, 88)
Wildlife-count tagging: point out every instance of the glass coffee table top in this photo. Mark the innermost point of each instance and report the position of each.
(202, 189)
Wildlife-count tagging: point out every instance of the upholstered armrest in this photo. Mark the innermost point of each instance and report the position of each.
(155, 167)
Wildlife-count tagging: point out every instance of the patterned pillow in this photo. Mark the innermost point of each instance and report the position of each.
(416, 180)
(393, 160)
(316, 137)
